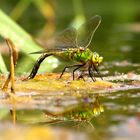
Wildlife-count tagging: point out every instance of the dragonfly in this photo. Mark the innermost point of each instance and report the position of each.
(74, 45)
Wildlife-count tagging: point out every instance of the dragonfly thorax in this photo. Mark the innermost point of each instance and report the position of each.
(81, 55)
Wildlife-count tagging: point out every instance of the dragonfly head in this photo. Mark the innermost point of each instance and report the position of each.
(96, 59)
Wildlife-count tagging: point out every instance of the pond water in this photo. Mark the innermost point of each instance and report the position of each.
(110, 113)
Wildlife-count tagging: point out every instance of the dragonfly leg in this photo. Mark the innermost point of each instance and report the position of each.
(81, 76)
(78, 67)
(65, 70)
(97, 71)
(36, 66)
(89, 71)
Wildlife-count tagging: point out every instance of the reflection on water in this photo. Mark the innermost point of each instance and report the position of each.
(82, 114)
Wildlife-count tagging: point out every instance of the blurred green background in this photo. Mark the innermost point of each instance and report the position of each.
(117, 38)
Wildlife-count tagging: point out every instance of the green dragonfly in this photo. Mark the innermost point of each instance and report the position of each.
(74, 45)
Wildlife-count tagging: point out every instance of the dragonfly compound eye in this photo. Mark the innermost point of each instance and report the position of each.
(96, 58)
(100, 59)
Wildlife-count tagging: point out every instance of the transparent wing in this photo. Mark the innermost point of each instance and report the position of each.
(66, 39)
(61, 42)
(87, 30)
(72, 38)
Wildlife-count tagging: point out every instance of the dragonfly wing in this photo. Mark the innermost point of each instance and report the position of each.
(61, 42)
(66, 39)
(87, 30)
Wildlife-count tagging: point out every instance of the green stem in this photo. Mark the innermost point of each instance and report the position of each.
(3, 67)
(20, 38)
(10, 29)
